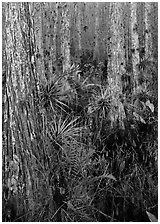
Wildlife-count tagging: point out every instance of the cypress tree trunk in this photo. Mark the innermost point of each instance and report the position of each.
(117, 60)
(65, 36)
(147, 32)
(135, 44)
(96, 48)
(20, 83)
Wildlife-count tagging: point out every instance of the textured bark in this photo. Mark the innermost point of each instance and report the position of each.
(117, 59)
(20, 84)
(65, 36)
(96, 48)
(135, 44)
(79, 28)
(117, 65)
(148, 35)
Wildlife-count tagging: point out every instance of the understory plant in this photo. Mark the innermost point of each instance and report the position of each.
(104, 150)
(95, 154)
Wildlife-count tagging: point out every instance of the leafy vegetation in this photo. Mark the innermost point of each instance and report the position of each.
(98, 150)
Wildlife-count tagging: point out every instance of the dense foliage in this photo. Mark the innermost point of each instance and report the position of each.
(98, 149)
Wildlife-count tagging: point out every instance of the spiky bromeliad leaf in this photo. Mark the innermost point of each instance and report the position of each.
(100, 102)
(52, 95)
(66, 134)
(151, 217)
(65, 131)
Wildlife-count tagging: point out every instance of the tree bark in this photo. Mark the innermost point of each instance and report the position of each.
(20, 84)
(135, 44)
(65, 36)
(147, 33)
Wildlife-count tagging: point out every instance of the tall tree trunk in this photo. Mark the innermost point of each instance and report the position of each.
(79, 21)
(117, 59)
(96, 48)
(20, 73)
(135, 44)
(65, 36)
(147, 33)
